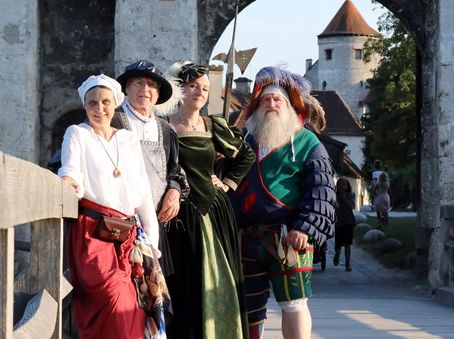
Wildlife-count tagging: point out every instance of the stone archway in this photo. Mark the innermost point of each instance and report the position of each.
(50, 58)
(72, 117)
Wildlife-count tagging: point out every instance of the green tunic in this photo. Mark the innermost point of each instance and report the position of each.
(207, 287)
(281, 174)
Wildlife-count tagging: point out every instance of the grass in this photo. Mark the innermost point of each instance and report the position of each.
(402, 229)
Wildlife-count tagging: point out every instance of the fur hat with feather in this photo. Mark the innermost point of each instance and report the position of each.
(298, 89)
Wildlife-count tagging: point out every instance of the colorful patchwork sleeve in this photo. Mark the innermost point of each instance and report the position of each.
(317, 207)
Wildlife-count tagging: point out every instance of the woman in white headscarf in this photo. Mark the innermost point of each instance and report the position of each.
(106, 167)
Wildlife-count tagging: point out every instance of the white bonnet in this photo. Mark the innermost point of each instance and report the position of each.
(102, 80)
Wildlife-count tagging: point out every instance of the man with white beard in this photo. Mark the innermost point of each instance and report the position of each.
(286, 203)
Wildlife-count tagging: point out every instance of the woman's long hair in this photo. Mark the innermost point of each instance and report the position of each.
(348, 187)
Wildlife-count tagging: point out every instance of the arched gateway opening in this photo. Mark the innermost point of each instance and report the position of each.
(112, 34)
(420, 18)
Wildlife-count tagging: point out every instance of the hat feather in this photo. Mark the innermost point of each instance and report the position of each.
(316, 113)
(176, 68)
(296, 85)
(284, 78)
(170, 107)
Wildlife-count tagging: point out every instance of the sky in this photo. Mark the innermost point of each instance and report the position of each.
(285, 31)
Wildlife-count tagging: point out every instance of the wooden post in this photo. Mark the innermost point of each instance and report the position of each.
(29, 193)
(46, 264)
(6, 282)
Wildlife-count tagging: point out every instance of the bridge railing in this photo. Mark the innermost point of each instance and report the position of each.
(31, 194)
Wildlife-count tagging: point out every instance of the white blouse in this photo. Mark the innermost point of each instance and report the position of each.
(86, 161)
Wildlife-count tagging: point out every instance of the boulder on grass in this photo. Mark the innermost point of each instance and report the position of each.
(360, 217)
(373, 236)
(366, 208)
(363, 227)
(390, 245)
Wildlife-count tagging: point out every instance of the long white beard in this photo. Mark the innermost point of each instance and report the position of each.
(271, 130)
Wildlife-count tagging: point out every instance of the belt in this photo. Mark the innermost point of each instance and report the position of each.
(258, 231)
(96, 215)
(90, 213)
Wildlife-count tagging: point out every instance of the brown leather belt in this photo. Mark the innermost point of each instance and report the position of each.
(258, 231)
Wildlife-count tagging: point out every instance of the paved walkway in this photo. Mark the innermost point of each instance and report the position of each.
(369, 302)
(393, 214)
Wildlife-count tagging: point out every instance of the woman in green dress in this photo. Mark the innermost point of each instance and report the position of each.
(207, 287)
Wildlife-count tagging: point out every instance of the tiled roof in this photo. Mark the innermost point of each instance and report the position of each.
(348, 21)
(340, 120)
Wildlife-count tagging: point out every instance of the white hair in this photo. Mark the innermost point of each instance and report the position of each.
(272, 130)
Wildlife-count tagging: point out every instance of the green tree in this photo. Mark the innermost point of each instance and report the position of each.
(391, 122)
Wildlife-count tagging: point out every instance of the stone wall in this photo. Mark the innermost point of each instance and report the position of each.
(445, 114)
(162, 31)
(354, 148)
(77, 40)
(19, 77)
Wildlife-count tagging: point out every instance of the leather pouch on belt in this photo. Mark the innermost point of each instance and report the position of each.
(113, 229)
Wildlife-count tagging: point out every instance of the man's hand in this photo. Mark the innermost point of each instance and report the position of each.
(72, 182)
(170, 205)
(297, 239)
(219, 183)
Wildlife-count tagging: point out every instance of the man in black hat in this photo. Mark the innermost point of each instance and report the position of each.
(149, 93)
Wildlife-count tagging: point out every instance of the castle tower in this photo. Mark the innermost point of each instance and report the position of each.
(340, 66)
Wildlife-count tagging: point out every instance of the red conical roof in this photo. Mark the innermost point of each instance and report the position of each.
(348, 21)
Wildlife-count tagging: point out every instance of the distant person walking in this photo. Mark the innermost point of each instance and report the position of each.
(345, 221)
(378, 169)
(382, 201)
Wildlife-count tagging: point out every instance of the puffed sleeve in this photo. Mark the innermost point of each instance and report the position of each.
(176, 177)
(229, 142)
(317, 208)
(71, 158)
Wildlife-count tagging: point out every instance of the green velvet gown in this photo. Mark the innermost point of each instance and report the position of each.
(207, 286)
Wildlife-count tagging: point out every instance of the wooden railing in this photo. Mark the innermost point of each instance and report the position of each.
(31, 194)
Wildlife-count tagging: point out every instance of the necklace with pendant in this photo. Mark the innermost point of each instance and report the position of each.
(116, 172)
(193, 127)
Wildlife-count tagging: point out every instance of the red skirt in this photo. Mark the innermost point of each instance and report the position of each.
(104, 297)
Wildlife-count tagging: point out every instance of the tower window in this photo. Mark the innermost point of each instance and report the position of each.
(328, 54)
(358, 54)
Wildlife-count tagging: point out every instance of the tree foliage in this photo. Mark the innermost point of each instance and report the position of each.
(391, 123)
